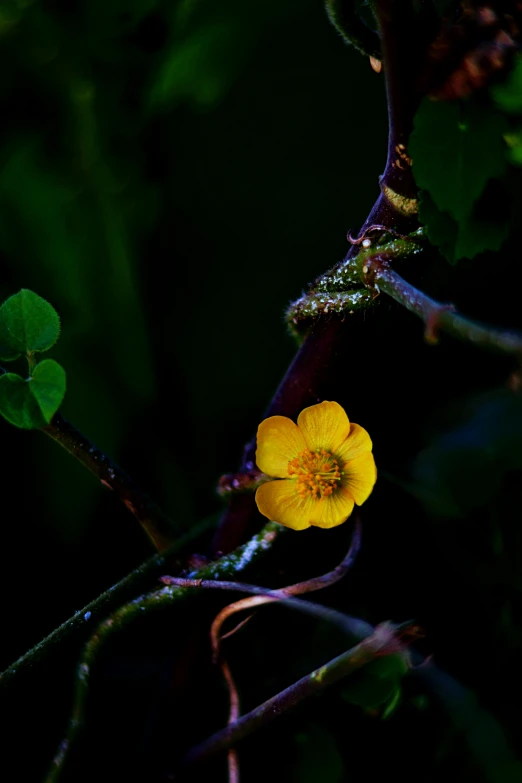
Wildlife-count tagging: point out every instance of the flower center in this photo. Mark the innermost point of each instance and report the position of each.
(317, 473)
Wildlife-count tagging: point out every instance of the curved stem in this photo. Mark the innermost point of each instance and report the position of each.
(469, 718)
(160, 529)
(383, 641)
(85, 618)
(308, 586)
(156, 600)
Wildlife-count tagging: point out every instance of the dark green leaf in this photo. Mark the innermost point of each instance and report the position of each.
(440, 227)
(472, 235)
(17, 404)
(376, 683)
(27, 323)
(508, 95)
(456, 148)
(48, 387)
(393, 703)
(514, 143)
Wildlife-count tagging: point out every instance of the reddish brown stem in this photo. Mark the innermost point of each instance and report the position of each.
(314, 365)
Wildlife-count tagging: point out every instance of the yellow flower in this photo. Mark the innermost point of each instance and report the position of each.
(324, 465)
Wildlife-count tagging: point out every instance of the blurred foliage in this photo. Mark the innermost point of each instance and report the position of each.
(171, 175)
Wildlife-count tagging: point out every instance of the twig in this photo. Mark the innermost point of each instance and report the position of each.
(444, 317)
(310, 585)
(462, 706)
(160, 529)
(85, 618)
(156, 600)
(346, 623)
(233, 715)
(316, 583)
(383, 641)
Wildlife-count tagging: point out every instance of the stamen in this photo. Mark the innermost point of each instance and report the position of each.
(317, 473)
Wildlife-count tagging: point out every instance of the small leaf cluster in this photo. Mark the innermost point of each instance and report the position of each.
(29, 325)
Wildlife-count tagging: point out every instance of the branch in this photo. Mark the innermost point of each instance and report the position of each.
(156, 600)
(383, 641)
(438, 316)
(310, 585)
(160, 529)
(316, 583)
(108, 601)
(346, 623)
(402, 38)
(494, 757)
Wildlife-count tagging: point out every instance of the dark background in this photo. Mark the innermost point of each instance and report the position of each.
(172, 174)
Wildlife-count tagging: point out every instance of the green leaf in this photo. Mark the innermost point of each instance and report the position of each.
(456, 148)
(17, 404)
(475, 234)
(513, 140)
(393, 703)
(48, 387)
(440, 227)
(31, 403)
(508, 95)
(376, 683)
(27, 323)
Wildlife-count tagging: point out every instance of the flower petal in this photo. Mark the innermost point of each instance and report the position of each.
(332, 510)
(324, 426)
(359, 477)
(279, 501)
(278, 441)
(358, 442)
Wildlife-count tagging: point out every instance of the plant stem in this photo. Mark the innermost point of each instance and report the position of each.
(160, 529)
(159, 599)
(438, 316)
(92, 613)
(382, 642)
(473, 722)
(402, 37)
